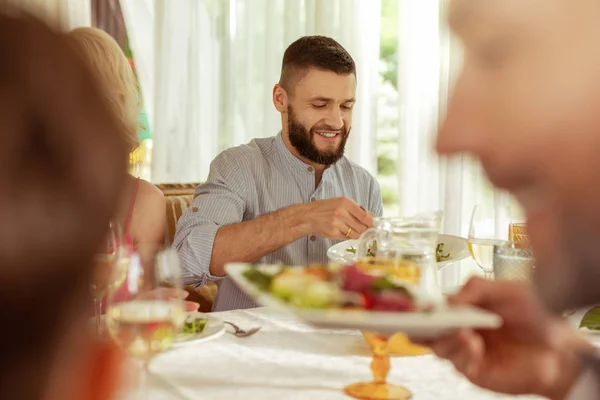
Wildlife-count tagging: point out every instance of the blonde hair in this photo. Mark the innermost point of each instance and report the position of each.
(115, 76)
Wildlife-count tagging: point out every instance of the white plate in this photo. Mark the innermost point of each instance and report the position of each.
(213, 329)
(455, 245)
(418, 325)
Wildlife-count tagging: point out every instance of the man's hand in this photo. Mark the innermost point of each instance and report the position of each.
(338, 218)
(532, 353)
(334, 218)
(171, 293)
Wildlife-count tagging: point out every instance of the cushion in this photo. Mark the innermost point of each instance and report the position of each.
(176, 206)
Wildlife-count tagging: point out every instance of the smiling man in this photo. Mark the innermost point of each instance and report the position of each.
(290, 197)
(527, 104)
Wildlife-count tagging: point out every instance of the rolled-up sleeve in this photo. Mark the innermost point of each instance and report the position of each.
(376, 202)
(218, 202)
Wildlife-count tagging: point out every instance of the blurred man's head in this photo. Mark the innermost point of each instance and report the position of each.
(315, 95)
(527, 104)
(63, 161)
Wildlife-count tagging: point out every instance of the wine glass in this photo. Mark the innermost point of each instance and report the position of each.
(146, 310)
(489, 227)
(381, 345)
(104, 263)
(379, 389)
(406, 250)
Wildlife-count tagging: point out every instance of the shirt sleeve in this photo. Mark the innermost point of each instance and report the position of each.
(375, 201)
(217, 202)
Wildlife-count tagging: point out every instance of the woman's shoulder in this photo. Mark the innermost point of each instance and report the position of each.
(149, 196)
(146, 188)
(149, 216)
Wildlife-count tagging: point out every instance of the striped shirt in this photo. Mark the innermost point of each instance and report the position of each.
(252, 180)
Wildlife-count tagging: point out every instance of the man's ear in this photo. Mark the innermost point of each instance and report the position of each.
(280, 98)
(107, 375)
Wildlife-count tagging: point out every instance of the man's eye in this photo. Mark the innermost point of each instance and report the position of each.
(319, 105)
(347, 107)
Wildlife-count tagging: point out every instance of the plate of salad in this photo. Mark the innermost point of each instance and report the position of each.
(449, 249)
(199, 327)
(346, 297)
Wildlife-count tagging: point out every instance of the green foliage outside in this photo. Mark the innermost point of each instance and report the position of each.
(389, 40)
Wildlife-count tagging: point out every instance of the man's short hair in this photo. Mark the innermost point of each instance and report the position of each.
(319, 52)
(63, 162)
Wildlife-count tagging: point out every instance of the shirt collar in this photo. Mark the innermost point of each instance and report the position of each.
(289, 158)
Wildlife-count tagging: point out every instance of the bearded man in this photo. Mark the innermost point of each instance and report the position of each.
(286, 198)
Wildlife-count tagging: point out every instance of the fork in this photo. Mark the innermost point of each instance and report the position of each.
(241, 332)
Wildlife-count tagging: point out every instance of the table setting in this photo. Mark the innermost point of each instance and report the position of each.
(333, 331)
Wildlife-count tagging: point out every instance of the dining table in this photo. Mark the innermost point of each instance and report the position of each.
(289, 359)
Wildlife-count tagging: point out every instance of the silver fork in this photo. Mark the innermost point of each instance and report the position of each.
(241, 332)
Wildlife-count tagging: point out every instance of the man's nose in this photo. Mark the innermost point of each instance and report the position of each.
(462, 129)
(334, 118)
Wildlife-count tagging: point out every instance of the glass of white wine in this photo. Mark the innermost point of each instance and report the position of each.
(104, 262)
(489, 227)
(146, 309)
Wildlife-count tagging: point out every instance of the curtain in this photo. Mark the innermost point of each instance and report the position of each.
(107, 15)
(427, 68)
(70, 13)
(207, 70)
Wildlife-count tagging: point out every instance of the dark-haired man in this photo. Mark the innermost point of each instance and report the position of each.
(290, 197)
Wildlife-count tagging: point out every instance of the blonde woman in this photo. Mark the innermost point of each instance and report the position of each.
(142, 208)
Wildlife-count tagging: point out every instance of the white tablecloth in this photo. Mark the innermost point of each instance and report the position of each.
(289, 360)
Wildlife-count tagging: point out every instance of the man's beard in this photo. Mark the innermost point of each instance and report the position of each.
(303, 141)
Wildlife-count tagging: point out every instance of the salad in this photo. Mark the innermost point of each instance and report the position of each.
(195, 326)
(346, 288)
(439, 251)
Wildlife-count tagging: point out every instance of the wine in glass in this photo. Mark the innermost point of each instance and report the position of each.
(146, 310)
(104, 262)
(489, 227)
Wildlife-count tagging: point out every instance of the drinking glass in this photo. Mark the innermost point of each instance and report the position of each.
(146, 310)
(489, 227)
(104, 262)
(513, 261)
(405, 249)
(517, 232)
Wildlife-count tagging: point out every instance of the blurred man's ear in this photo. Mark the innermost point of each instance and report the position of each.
(106, 374)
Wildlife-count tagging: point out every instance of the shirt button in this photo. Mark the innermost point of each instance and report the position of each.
(313, 238)
(313, 200)
(310, 169)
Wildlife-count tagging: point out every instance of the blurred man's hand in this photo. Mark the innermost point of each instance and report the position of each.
(532, 353)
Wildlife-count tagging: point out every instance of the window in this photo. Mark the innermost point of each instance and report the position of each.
(387, 109)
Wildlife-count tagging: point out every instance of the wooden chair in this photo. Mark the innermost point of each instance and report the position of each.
(179, 197)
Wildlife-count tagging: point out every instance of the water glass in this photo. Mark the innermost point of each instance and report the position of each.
(512, 261)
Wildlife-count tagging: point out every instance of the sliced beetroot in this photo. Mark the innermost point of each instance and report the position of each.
(391, 300)
(355, 280)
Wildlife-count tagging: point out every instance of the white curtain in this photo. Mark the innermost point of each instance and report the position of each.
(70, 13)
(429, 60)
(207, 69)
